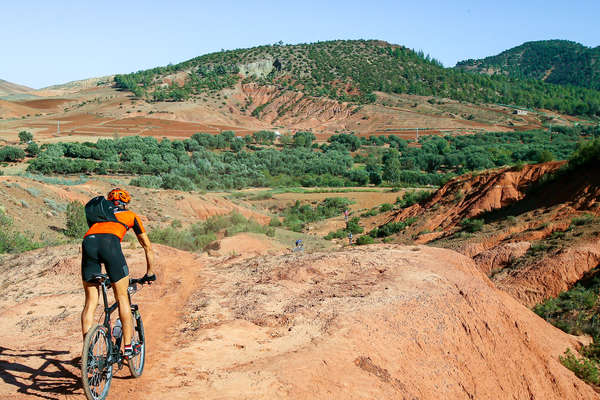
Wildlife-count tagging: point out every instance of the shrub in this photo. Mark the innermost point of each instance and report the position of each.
(275, 222)
(353, 226)
(11, 154)
(76, 221)
(198, 236)
(339, 234)
(584, 368)
(32, 149)
(412, 197)
(583, 220)
(147, 181)
(365, 239)
(372, 212)
(173, 181)
(385, 207)
(472, 225)
(181, 239)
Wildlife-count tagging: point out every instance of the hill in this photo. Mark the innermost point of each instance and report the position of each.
(348, 71)
(533, 230)
(560, 62)
(10, 89)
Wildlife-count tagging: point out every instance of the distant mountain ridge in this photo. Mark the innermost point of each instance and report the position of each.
(560, 62)
(349, 71)
(9, 88)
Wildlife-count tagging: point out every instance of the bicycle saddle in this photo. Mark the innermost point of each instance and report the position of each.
(99, 277)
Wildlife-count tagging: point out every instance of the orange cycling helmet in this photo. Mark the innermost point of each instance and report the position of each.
(118, 195)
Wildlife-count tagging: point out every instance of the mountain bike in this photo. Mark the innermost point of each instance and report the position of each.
(102, 346)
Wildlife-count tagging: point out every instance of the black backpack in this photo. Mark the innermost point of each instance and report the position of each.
(99, 209)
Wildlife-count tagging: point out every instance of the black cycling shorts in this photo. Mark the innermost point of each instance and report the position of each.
(103, 248)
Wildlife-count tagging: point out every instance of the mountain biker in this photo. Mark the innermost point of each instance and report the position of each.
(102, 244)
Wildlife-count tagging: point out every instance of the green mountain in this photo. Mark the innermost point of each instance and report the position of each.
(349, 70)
(554, 61)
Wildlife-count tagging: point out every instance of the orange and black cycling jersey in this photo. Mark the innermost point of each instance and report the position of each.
(127, 218)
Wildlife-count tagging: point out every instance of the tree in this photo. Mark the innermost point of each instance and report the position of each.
(285, 140)
(236, 145)
(228, 135)
(392, 169)
(32, 149)
(25, 137)
(303, 139)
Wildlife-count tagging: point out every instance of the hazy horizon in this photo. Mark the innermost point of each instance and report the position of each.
(49, 44)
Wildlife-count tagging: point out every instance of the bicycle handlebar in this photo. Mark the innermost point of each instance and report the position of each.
(144, 279)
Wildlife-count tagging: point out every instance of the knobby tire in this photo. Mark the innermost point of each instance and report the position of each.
(136, 364)
(96, 368)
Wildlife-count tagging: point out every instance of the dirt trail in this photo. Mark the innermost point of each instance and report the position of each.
(375, 322)
(40, 353)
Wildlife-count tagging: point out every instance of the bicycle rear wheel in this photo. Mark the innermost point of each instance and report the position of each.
(136, 364)
(96, 366)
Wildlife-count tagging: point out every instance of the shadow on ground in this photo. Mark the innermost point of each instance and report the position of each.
(53, 376)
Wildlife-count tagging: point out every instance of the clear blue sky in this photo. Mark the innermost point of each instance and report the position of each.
(51, 42)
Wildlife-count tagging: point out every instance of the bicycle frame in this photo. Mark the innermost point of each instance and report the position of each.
(115, 343)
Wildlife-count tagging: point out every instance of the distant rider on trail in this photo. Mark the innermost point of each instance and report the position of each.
(109, 220)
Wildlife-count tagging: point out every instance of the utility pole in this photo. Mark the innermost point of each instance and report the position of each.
(58, 127)
(417, 135)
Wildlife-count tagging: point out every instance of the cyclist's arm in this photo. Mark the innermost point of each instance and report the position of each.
(145, 242)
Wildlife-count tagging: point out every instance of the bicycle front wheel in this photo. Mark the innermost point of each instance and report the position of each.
(96, 366)
(136, 364)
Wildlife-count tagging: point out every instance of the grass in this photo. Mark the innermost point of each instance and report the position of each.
(322, 190)
(584, 219)
(199, 235)
(53, 180)
(365, 239)
(55, 206)
(12, 241)
(472, 225)
(297, 216)
(413, 197)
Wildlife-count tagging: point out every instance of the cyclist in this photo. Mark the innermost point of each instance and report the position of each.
(299, 245)
(102, 244)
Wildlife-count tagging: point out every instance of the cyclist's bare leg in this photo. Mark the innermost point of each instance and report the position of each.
(120, 289)
(92, 293)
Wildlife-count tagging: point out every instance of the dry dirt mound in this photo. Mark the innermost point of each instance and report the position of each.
(245, 245)
(530, 243)
(471, 195)
(375, 322)
(551, 275)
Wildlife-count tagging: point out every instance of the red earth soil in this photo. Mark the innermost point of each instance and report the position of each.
(539, 214)
(385, 322)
